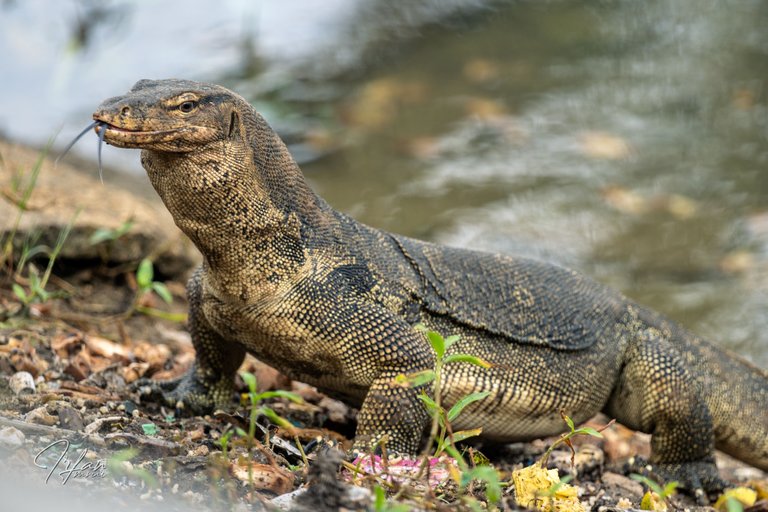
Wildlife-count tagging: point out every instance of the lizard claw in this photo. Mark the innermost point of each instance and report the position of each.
(188, 394)
(700, 479)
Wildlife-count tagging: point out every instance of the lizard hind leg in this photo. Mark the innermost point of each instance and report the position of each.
(657, 395)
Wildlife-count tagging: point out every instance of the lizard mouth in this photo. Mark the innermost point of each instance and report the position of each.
(127, 137)
(121, 137)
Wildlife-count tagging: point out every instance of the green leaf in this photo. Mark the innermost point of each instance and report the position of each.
(652, 485)
(431, 404)
(461, 435)
(20, 293)
(280, 393)
(162, 291)
(589, 431)
(241, 432)
(670, 488)
(733, 505)
(569, 421)
(466, 358)
(459, 406)
(420, 328)
(250, 380)
(276, 418)
(101, 235)
(437, 342)
(416, 379)
(450, 340)
(380, 498)
(145, 274)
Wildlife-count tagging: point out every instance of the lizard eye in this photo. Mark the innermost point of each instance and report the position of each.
(188, 106)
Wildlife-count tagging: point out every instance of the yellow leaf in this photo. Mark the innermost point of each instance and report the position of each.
(746, 496)
(652, 501)
(532, 488)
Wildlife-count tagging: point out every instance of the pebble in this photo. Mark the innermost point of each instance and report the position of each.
(41, 416)
(11, 438)
(22, 383)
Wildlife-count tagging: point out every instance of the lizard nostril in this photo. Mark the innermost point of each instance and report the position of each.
(125, 111)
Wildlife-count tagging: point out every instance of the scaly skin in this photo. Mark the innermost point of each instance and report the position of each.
(332, 302)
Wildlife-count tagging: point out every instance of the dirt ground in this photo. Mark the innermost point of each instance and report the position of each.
(76, 433)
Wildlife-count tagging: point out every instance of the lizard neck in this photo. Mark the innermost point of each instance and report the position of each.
(247, 208)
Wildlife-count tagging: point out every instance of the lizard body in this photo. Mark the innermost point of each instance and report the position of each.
(332, 302)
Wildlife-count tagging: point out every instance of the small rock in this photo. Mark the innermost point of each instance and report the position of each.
(285, 501)
(615, 483)
(40, 416)
(11, 438)
(95, 426)
(22, 383)
(129, 407)
(70, 418)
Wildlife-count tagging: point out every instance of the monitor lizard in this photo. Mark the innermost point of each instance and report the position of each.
(332, 302)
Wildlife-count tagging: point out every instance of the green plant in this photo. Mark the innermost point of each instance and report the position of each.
(257, 409)
(146, 284)
(663, 493)
(22, 186)
(566, 438)
(440, 431)
(36, 291)
(380, 503)
(102, 235)
(441, 434)
(116, 464)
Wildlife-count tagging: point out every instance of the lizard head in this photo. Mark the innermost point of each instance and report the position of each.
(175, 116)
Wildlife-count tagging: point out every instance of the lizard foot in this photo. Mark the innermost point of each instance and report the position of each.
(189, 394)
(700, 479)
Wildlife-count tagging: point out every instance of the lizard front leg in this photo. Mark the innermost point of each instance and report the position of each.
(374, 346)
(210, 381)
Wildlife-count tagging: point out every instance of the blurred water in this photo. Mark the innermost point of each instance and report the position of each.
(625, 139)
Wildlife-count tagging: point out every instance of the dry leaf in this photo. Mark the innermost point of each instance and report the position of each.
(134, 371)
(745, 496)
(264, 477)
(532, 485)
(107, 348)
(154, 354)
(63, 345)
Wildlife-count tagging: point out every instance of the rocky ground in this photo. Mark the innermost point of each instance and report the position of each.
(75, 434)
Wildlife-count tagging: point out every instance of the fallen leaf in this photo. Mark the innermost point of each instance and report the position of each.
(743, 495)
(154, 354)
(652, 501)
(134, 371)
(264, 477)
(107, 348)
(64, 345)
(534, 484)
